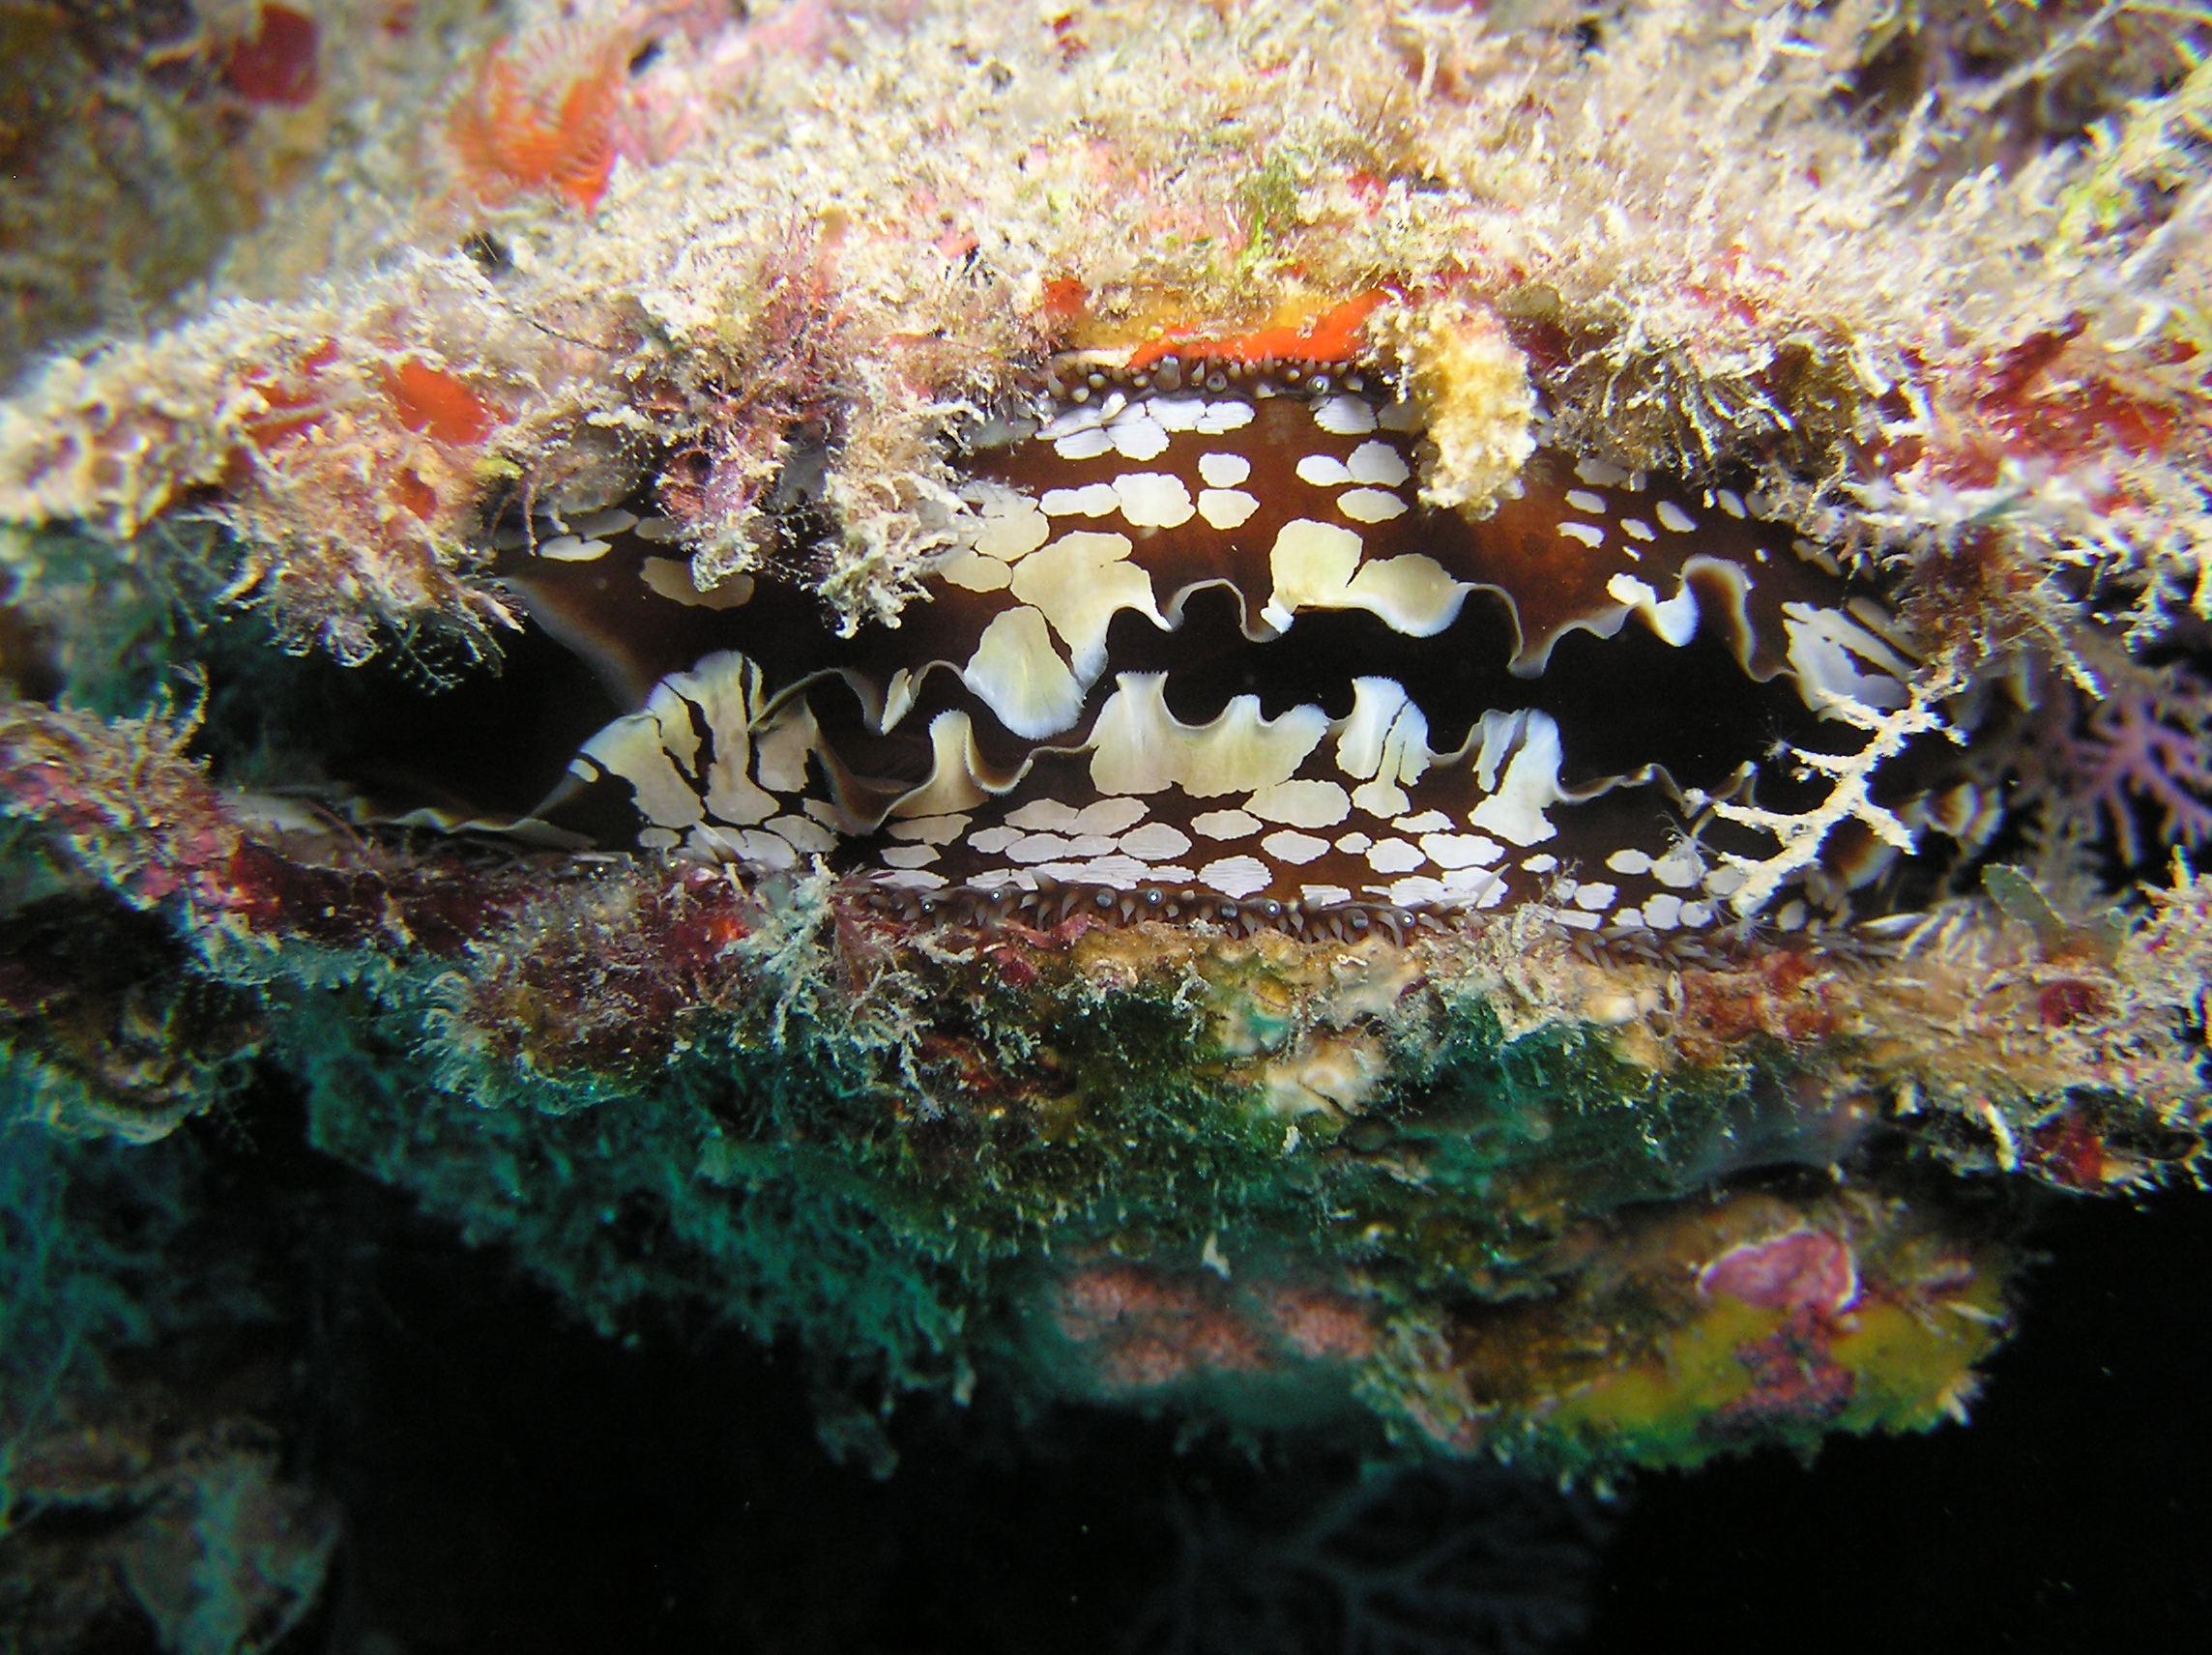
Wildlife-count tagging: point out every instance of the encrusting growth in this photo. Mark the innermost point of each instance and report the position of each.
(1470, 382)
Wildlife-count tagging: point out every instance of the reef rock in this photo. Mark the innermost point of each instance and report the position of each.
(1409, 722)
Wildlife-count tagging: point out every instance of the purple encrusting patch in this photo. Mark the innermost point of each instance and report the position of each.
(1799, 1270)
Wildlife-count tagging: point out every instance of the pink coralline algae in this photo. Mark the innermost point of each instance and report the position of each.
(1144, 1328)
(1797, 1378)
(1801, 1270)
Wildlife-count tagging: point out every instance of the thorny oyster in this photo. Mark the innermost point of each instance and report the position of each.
(1197, 703)
(1201, 652)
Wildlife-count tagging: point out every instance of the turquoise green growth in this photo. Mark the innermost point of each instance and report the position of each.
(793, 1185)
(905, 1210)
(82, 1226)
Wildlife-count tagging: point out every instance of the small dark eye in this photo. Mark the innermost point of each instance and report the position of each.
(489, 252)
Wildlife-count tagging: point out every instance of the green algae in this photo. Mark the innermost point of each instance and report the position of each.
(911, 1214)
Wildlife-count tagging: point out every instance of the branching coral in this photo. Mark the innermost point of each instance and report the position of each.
(1800, 835)
(1418, 1561)
(2143, 748)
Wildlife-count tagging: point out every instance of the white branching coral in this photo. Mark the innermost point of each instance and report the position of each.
(1798, 836)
